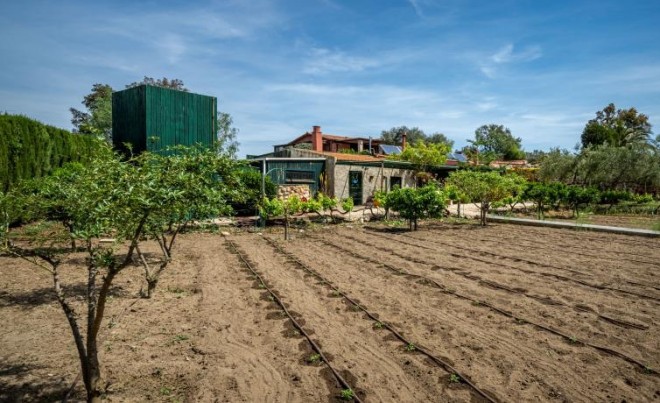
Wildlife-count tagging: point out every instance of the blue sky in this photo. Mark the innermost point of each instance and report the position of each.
(541, 68)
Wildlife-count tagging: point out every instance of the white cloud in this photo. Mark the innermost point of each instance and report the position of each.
(503, 55)
(322, 61)
(508, 54)
(418, 9)
(173, 46)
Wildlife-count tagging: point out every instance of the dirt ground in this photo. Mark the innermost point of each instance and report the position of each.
(642, 221)
(523, 313)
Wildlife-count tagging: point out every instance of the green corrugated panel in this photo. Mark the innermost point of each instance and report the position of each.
(277, 172)
(153, 118)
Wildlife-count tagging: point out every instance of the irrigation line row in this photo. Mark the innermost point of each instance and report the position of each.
(533, 245)
(544, 274)
(544, 299)
(544, 246)
(344, 384)
(438, 361)
(501, 311)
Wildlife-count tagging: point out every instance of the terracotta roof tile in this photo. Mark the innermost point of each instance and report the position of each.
(353, 157)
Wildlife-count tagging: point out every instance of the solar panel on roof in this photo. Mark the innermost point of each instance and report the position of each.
(390, 149)
(460, 157)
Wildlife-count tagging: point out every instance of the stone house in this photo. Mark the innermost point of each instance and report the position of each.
(338, 174)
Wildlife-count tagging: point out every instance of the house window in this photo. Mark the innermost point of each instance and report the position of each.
(395, 181)
(298, 176)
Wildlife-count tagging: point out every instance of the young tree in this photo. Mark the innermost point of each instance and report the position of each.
(577, 196)
(414, 204)
(276, 207)
(186, 185)
(484, 188)
(321, 205)
(544, 195)
(130, 202)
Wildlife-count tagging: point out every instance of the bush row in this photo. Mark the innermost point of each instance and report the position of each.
(30, 149)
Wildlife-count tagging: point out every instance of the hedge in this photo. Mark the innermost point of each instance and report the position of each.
(30, 149)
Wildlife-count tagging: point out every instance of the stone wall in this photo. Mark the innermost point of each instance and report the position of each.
(302, 191)
(373, 179)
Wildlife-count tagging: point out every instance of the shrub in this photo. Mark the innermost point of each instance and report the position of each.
(30, 149)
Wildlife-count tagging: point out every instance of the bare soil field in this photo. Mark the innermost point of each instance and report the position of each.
(450, 313)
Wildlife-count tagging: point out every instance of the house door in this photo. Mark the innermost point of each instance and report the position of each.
(355, 187)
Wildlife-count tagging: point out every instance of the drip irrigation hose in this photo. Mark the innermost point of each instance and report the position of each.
(438, 361)
(344, 384)
(552, 275)
(501, 311)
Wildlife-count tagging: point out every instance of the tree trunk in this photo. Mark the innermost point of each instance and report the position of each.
(286, 227)
(151, 286)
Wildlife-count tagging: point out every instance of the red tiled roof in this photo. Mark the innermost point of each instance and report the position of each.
(352, 157)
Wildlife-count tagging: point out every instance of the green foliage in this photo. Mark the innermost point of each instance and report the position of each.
(250, 180)
(453, 378)
(314, 359)
(577, 196)
(149, 197)
(347, 204)
(164, 82)
(424, 155)
(413, 135)
(97, 121)
(545, 194)
(276, 207)
(485, 188)
(643, 198)
(395, 135)
(636, 167)
(617, 128)
(495, 142)
(30, 149)
(327, 202)
(347, 394)
(226, 136)
(615, 196)
(417, 203)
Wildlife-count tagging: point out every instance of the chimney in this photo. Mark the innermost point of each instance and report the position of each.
(403, 141)
(317, 139)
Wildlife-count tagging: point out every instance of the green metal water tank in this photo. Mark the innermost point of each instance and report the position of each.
(153, 118)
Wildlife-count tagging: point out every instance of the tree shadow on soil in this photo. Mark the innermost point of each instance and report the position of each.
(387, 230)
(43, 296)
(14, 387)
